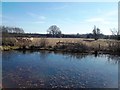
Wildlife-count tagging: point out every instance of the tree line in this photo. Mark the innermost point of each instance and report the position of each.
(6, 29)
(55, 32)
(96, 33)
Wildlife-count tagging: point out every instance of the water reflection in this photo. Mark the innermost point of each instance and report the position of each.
(72, 55)
(43, 54)
(45, 69)
(26, 51)
(79, 56)
(114, 58)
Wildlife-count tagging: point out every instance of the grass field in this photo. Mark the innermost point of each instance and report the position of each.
(67, 43)
(89, 42)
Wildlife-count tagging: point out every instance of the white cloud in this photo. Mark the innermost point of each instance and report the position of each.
(38, 22)
(98, 20)
(37, 18)
(107, 18)
(111, 13)
(42, 17)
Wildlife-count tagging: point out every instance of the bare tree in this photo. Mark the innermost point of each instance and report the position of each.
(96, 33)
(54, 31)
(115, 33)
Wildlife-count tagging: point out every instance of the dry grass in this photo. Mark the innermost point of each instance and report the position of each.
(91, 44)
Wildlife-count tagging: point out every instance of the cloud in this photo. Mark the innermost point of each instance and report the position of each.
(38, 22)
(37, 18)
(111, 13)
(42, 17)
(104, 20)
(107, 18)
(98, 20)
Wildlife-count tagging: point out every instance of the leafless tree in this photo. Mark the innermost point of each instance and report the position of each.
(54, 31)
(116, 33)
(96, 33)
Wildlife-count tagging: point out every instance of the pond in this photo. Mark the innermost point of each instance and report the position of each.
(45, 69)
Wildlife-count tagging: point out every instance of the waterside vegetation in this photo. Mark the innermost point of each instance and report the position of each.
(14, 39)
(77, 45)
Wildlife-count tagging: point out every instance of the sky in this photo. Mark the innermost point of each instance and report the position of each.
(70, 17)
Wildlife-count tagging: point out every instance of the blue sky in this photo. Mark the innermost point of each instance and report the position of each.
(79, 17)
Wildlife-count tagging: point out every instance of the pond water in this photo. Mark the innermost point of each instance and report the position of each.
(44, 69)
